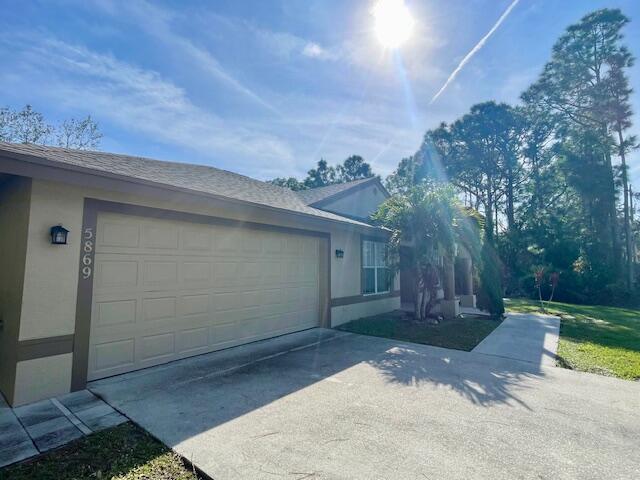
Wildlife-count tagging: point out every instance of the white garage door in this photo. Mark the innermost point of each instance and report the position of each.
(165, 289)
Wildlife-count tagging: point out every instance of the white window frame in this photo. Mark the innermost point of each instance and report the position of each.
(376, 245)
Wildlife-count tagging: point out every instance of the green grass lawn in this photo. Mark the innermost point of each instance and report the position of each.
(463, 333)
(597, 339)
(124, 452)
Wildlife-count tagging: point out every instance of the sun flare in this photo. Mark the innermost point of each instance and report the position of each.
(393, 22)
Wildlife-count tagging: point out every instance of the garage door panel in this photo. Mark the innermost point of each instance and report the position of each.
(196, 271)
(293, 246)
(168, 290)
(196, 239)
(118, 234)
(252, 244)
(115, 312)
(160, 273)
(159, 308)
(272, 273)
(273, 244)
(193, 340)
(156, 347)
(227, 301)
(159, 235)
(226, 240)
(197, 304)
(112, 273)
(226, 274)
(250, 273)
(223, 334)
(111, 355)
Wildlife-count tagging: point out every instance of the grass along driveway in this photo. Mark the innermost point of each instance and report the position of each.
(462, 333)
(593, 338)
(124, 452)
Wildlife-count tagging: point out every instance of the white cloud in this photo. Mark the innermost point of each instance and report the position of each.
(313, 50)
(142, 101)
(157, 22)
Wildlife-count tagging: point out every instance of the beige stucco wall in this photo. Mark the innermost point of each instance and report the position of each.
(42, 378)
(51, 277)
(345, 272)
(346, 313)
(51, 271)
(14, 221)
(361, 203)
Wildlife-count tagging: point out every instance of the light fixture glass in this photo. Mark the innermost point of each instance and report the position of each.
(59, 235)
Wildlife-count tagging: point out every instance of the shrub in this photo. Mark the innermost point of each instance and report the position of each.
(490, 289)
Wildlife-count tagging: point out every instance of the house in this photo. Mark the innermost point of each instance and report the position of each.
(112, 263)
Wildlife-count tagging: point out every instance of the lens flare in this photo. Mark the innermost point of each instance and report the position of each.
(393, 22)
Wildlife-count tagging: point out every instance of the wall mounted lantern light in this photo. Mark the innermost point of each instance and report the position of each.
(339, 253)
(59, 235)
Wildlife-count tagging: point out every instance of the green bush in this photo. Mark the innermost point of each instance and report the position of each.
(490, 289)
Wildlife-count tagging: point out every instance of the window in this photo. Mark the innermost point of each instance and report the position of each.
(375, 273)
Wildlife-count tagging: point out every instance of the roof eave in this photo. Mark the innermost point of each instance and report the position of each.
(42, 161)
(349, 191)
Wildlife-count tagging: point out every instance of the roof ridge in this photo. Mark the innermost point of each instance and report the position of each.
(197, 178)
(75, 151)
(312, 196)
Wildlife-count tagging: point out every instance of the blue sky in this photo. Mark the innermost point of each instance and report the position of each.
(267, 88)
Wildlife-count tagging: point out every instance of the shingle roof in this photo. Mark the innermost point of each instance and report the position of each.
(196, 178)
(315, 195)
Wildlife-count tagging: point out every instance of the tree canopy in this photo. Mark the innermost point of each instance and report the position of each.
(550, 175)
(30, 126)
(353, 168)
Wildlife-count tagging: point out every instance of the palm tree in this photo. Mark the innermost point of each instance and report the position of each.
(430, 218)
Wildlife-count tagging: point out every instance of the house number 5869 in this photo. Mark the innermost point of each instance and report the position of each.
(87, 249)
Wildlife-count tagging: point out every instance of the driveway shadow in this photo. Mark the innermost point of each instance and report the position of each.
(480, 379)
(328, 404)
(183, 399)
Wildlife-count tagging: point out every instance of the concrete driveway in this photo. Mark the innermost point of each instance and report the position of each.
(327, 404)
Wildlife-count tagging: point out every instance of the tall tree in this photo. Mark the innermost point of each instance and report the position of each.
(479, 154)
(321, 176)
(79, 134)
(30, 126)
(620, 107)
(291, 183)
(24, 126)
(576, 86)
(353, 168)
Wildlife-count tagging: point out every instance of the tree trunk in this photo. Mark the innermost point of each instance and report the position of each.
(631, 221)
(615, 243)
(416, 293)
(511, 218)
(423, 303)
(489, 211)
(627, 219)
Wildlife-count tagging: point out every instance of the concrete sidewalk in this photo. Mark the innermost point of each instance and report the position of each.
(529, 337)
(39, 427)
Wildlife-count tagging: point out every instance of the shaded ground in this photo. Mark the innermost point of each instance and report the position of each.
(462, 333)
(329, 404)
(593, 338)
(125, 452)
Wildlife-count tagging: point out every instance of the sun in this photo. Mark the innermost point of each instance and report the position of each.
(393, 22)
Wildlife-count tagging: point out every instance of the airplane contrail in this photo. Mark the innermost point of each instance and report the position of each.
(474, 50)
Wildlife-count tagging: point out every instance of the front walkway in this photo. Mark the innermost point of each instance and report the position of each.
(530, 337)
(38, 427)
